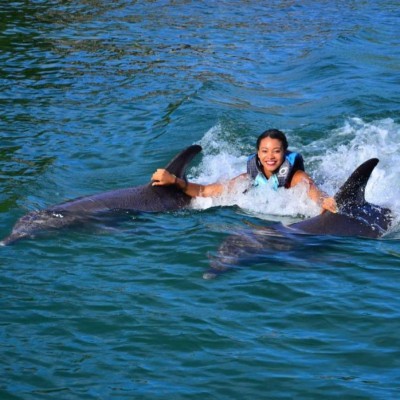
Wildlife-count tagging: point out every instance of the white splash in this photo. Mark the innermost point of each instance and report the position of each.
(356, 142)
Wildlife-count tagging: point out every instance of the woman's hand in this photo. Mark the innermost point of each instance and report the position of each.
(329, 204)
(163, 178)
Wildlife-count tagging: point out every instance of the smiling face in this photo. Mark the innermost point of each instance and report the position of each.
(271, 154)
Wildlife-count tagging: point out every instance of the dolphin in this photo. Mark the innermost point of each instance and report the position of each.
(144, 198)
(355, 217)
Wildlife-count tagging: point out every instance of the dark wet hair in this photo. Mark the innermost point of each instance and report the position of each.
(273, 134)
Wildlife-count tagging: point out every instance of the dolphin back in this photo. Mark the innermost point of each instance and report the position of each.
(139, 198)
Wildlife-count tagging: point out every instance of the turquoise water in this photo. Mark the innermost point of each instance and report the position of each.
(95, 95)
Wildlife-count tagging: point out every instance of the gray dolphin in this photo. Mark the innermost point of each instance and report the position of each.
(144, 198)
(356, 217)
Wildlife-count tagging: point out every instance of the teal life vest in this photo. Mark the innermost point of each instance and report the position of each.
(293, 162)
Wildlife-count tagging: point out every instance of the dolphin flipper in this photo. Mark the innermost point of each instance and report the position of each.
(352, 192)
(177, 166)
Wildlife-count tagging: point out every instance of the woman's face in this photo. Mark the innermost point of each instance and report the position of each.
(271, 155)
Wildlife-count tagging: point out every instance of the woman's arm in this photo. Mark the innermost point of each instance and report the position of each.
(164, 178)
(321, 198)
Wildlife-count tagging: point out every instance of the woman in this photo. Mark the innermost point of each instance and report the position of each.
(273, 165)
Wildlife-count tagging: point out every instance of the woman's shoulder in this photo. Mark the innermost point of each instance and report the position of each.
(300, 176)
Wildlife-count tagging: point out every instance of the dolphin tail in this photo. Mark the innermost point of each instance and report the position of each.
(352, 191)
(178, 165)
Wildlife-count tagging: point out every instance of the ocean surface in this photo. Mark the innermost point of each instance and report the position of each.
(96, 95)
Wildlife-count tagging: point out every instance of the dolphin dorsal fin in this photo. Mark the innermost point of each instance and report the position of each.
(177, 165)
(353, 190)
